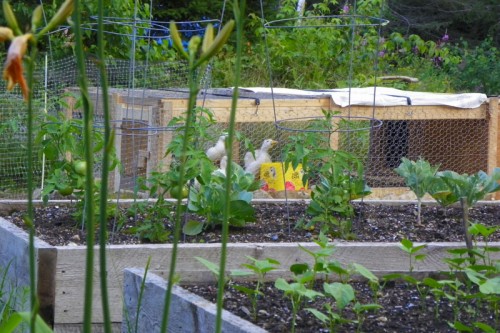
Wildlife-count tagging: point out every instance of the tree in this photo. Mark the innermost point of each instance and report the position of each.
(472, 20)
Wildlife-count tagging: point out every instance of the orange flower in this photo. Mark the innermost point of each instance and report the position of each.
(13, 68)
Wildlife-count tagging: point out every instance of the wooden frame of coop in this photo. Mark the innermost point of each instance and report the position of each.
(435, 123)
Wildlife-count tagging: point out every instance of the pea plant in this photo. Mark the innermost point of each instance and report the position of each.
(337, 176)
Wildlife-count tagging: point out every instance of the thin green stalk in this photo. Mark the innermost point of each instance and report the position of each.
(89, 177)
(193, 93)
(141, 295)
(30, 213)
(239, 10)
(466, 225)
(108, 144)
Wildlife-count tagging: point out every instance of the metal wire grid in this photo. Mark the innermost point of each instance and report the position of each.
(139, 121)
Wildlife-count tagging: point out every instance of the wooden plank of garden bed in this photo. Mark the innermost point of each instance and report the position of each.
(381, 258)
(14, 255)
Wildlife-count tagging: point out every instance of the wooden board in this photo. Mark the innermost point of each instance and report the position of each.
(381, 258)
(63, 267)
(268, 110)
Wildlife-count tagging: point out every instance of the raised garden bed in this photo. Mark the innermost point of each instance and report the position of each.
(61, 268)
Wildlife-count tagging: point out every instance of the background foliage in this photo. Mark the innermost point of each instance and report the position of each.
(449, 45)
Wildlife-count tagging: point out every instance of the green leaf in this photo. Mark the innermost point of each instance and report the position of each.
(192, 228)
(320, 315)
(342, 293)
(407, 245)
(491, 286)
(17, 318)
(299, 269)
(246, 290)
(240, 272)
(485, 327)
(460, 327)
(214, 268)
(365, 272)
(281, 284)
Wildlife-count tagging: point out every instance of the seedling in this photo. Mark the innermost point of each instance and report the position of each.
(477, 229)
(361, 309)
(373, 280)
(260, 268)
(297, 292)
(412, 250)
(343, 294)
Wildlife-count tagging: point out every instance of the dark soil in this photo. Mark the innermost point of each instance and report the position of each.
(277, 222)
(404, 309)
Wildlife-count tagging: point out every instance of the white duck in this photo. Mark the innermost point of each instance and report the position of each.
(222, 165)
(252, 163)
(216, 152)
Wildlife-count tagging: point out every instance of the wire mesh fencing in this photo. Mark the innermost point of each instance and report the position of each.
(144, 97)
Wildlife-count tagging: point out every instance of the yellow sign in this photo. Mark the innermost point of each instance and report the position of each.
(272, 175)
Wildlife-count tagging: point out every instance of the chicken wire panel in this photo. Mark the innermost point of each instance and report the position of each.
(13, 147)
(136, 89)
(460, 145)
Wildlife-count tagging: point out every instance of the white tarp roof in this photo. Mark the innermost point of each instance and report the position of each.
(384, 96)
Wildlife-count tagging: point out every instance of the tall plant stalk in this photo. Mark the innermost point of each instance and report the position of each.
(239, 15)
(193, 93)
(89, 177)
(108, 146)
(198, 54)
(30, 212)
(14, 74)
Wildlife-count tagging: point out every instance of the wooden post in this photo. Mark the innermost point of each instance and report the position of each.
(493, 138)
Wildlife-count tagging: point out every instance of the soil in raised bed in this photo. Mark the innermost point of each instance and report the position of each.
(277, 222)
(403, 308)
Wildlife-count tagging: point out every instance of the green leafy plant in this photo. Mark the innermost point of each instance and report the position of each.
(343, 294)
(412, 250)
(322, 261)
(469, 189)
(372, 279)
(479, 230)
(259, 268)
(297, 292)
(418, 176)
(63, 148)
(413, 256)
(361, 309)
(337, 176)
(152, 228)
(208, 200)
(164, 184)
